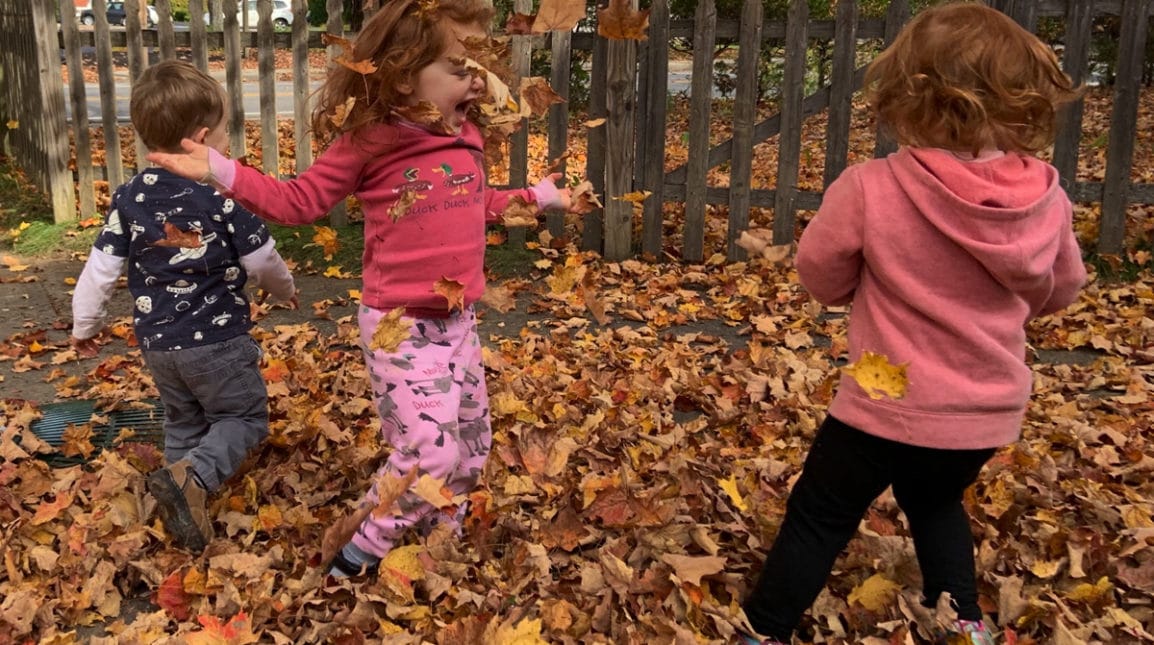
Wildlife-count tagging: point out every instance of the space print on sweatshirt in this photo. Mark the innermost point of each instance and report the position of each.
(178, 235)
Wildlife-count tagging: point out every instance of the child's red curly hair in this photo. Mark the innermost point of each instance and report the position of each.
(964, 77)
(400, 39)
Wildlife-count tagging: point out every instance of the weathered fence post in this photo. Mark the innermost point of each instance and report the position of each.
(48, 110)
(700, 106)
(301, 89)
(620, 104)
(165, 36)
(744, 114)
(522, 53)
(1075, 62)
(841, 90)
(651, 161)
(113, 159)
(86, 178)
(789, 139)
(196, 26)
(266, 63)
(561, 45)
(137, 61)
(897, 15)
(1120, 149)
(339, 215)
(233, 53)
(593, 225)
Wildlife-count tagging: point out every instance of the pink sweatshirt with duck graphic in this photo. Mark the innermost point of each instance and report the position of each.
(440, 235)
(944, 261)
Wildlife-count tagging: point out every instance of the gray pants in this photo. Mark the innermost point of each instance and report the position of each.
(215, 405)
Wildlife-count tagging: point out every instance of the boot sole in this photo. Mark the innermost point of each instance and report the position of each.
(174, 511)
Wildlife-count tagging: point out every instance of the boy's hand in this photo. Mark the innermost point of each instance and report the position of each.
(87, 347)
(190, 164)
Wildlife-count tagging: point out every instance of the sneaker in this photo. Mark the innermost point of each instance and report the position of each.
(974, 632)
(183, 505)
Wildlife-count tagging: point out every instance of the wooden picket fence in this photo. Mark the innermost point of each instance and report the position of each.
(628, 89)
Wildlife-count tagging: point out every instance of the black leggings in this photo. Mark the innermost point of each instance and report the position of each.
(845, 471)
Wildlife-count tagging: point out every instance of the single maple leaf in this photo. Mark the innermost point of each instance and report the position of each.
(172, 598)
(595, 123)
(363, 67)
(557, 164)
(326, 238)
(425, 114)
(583, 199)
(341, 112)
(637, 199)
(519, 24)
(77, 441)
(874, 593)
(874, 373)
(519, 212)
(499, 297)
(404, 201)
(620, 21)
(595, 305)
(392, 330)
(759, 242)
(453, 291)
(558, 15)
(538, 95)
(234, 631)
(174, 237)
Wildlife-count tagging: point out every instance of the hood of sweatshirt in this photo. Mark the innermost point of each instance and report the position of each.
(1003, 210)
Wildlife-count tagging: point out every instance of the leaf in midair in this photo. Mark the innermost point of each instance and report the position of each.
(874, 373)
(519, 212)
(425, 114)
(391, 331)
(583, 198)
(341, 112)
(453, 291)
(519, 24)
(558, 15)
(538, 95)
(759, 242)
(401, 207)
(326, 238)
(637, 199)
(620, 21)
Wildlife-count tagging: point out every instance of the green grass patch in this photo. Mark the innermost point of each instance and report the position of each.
(510, 260)
(297, 243)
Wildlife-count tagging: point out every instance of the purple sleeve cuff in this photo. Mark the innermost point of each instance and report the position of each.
(222, 168)
(546, 194)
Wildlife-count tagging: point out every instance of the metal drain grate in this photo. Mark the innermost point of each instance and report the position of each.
(147, 422)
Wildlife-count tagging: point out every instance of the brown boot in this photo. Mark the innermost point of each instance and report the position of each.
(183, 505)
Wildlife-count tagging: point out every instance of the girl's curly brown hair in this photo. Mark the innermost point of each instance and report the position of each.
(403, 37)
(963, 77)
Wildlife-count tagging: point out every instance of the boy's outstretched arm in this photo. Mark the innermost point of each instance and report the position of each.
(93, 289)
(267, 270)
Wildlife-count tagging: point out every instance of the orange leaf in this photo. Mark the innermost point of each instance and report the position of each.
(172, 598)
(236, 631)
(538, 95)
(326, 238)
(558, 15)
(453, 291)
(174, 237)
(519, 212)
(874, 373)
(620, 21)
(392, 330)
(401, 207)
(519, 24)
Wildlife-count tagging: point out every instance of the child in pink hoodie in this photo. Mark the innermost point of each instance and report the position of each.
(945, 250)
(399, 119)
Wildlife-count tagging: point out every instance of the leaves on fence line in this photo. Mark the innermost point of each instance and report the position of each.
(620, 21)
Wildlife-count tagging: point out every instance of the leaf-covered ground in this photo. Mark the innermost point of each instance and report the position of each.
(638, 473)
(649, 421)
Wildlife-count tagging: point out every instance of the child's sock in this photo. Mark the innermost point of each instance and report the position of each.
(351, 560)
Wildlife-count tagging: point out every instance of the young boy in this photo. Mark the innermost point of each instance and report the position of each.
(190, 253)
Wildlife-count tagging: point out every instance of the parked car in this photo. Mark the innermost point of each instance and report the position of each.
(282, 14)
(116, 15)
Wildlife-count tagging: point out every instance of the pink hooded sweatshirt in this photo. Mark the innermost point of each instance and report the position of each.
(944, 262)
